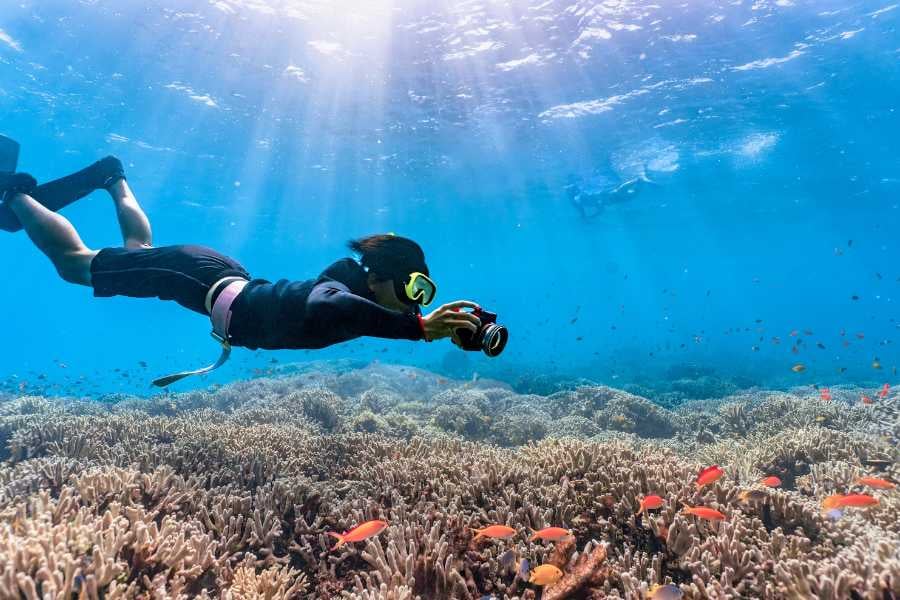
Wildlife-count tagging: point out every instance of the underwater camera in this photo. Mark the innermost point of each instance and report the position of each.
(490, 338)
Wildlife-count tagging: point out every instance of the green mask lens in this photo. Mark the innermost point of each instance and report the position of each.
(420, 289)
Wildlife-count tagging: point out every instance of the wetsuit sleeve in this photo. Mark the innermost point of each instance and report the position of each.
(331, 306)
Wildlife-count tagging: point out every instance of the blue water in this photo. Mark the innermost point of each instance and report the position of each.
(275, 130)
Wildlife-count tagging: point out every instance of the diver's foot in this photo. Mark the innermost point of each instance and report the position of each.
(13, 183)
(17, 183)
(107, 172)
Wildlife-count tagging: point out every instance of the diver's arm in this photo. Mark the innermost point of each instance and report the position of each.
(330, 306)
(446, 320)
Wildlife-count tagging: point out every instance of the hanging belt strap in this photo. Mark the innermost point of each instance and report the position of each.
(220, 315)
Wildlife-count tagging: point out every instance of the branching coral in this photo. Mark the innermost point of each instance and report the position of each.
(633, 414)
(230, 493)
(463, 412)
(274, 583)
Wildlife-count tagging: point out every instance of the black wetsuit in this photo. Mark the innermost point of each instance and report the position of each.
(335, 307)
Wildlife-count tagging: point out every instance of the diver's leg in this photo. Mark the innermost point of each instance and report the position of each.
(59, 193)
(55, 237)
(107, 173)
(133, 221)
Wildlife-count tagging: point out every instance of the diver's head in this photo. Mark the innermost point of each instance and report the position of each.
(398, 275)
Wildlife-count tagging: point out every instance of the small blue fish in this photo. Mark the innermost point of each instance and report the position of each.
(834, 514)
(508, 558)
(524, 569)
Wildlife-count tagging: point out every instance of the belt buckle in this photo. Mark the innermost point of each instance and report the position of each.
(225, 343)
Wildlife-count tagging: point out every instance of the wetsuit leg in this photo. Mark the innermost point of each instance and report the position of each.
(59, 193)
(180, 273)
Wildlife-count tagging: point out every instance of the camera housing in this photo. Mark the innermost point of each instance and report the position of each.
(491, 337)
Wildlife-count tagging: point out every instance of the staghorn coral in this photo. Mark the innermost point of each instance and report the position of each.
(633, 414)
(274, 583)
(379, 400)
(462, 411)
(317, 406)
(735, 418)
(573, 426)
(50, 547)
(519, 427)
(230, 493)
(368, 422)
(401, 425)
(791, 453)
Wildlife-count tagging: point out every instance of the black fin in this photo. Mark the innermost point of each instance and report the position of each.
(9, 154)
(62, 192)
(9, 160)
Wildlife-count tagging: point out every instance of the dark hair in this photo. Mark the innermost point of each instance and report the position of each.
(389, 256)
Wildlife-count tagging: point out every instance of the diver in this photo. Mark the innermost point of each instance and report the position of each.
(379, 295)
(591, 203)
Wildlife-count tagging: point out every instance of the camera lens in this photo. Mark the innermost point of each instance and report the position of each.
(494, 339)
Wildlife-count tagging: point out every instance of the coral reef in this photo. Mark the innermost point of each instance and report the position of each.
(231, 493)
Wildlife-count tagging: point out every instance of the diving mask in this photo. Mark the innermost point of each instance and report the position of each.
(420, 289)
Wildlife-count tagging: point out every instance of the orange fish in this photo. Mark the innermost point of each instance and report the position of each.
(501, 532)
(709, 475)
(665, 592)
(865, 399)
(545, 575)
(358, 534)
(771, 481)
(877, 483)
(798, 368)
(552, 534)
(825, 393)
(885, 389)
(831, 502)
(650, 503)
(842, 501)
(876, 364)
(703, 512)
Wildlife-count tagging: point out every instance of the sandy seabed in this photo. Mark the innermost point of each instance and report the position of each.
(231, 492)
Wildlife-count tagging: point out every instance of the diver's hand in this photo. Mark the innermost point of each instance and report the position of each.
(445, 320)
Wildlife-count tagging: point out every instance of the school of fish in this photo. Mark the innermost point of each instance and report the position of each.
(548, 574)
